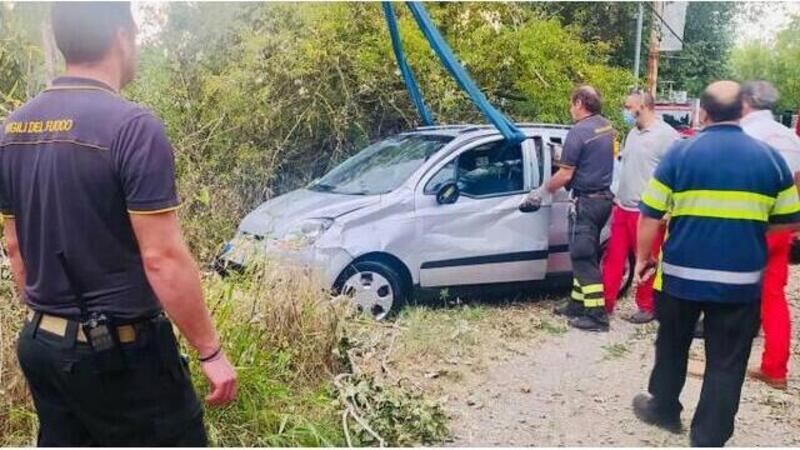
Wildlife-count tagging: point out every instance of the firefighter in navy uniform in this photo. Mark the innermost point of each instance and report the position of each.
(87, 191)
(586, 168)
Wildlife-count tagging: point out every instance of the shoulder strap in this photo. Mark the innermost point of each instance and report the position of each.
(75, 285)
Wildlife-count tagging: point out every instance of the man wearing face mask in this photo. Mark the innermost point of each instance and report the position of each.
(645, 145)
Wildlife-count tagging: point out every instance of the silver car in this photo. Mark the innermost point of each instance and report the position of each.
(433, 208)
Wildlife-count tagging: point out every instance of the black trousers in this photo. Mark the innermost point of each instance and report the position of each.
(729, 332)
(150, 402)
(589, 216)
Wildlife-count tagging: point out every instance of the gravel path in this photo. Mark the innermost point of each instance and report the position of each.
(575, 389)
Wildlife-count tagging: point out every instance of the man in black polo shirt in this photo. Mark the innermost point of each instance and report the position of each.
(586, 167)
(87, 187)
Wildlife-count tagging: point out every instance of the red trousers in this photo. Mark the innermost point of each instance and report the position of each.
(774, 309)
(621, 244)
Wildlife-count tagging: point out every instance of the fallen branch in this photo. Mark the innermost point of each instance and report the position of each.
(346, 429)
(365, 425)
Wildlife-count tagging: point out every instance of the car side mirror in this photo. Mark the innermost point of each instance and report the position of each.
(448, 194)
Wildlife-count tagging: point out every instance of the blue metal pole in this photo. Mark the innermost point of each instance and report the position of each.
(405, 69)
(457, 71)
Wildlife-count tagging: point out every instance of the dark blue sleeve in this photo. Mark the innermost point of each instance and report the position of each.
(146, 166)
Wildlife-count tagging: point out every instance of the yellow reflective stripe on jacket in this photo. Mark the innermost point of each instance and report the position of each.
(723, 205)
(658, 283)
(657, 195)
(577, 292)
(787, 202)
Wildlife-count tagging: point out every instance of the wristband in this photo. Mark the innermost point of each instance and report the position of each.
(212, 356)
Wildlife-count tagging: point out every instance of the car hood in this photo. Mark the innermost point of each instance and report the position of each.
(274, 218)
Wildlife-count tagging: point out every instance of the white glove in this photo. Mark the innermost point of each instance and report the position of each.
(533, 201)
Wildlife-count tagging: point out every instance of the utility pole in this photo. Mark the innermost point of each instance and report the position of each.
(652, 55)
(638, 49)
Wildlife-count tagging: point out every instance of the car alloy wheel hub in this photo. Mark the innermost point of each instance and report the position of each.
(371, 292)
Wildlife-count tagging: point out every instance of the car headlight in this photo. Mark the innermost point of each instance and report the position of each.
(307, 232)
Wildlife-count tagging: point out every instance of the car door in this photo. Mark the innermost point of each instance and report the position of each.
(482, 237)
(559, 260)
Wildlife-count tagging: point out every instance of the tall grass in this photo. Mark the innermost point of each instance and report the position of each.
(289, 342)
(280, 330)
(17, 420)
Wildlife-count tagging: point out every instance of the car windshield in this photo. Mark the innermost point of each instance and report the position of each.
(381, 167)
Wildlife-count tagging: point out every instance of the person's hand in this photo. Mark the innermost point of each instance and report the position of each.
(643, 271)
(532, 202)
(222, 378)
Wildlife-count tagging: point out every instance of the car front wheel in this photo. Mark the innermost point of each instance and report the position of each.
(375, 287)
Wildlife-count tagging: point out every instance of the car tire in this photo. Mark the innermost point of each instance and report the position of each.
(377, 287)
(627, 280)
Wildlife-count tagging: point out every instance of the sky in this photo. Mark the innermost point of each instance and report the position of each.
(764, 28)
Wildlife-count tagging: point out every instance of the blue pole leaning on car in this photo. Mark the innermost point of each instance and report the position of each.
(505, 126)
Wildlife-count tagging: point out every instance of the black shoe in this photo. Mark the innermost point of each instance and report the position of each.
(641, 317)
(572, 308)
(645, 410)
(594, 319)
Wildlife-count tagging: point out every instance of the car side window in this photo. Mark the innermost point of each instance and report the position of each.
(495, 168)
(446, 174)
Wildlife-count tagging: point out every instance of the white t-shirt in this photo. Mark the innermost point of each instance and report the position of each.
(763, 126)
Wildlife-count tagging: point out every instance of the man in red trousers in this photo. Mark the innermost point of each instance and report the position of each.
(644, 147)
(759, 98)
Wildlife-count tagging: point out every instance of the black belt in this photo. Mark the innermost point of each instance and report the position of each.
(63, 327)
(602, 193)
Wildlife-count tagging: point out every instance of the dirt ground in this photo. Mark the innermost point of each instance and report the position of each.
(517, 376)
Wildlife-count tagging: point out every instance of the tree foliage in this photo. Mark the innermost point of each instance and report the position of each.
(775, 61)
(267, 97)
(20, 56)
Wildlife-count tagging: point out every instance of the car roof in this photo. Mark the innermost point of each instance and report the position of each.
(460, 130)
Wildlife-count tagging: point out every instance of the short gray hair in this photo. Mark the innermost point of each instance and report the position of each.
(760, 94)
(645, 98)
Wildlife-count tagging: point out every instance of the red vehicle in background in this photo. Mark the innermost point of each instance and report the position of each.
(681, 116)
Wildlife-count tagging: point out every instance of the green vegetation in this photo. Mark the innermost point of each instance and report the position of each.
(267, 97)
(17, 420)
(299, 385)
(774, 61)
